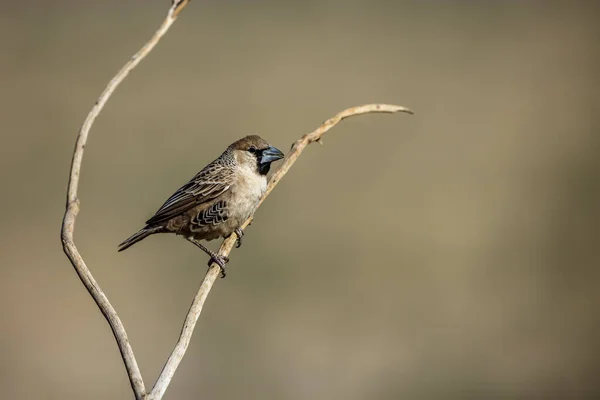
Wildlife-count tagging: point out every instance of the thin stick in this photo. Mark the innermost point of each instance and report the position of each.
(211, 276)
(72, 207)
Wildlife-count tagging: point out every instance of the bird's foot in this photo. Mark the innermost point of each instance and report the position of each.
(220, 261)
(239, 233)
(214, 257)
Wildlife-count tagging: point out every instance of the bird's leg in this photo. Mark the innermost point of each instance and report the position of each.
(240, 234)
(214, 257)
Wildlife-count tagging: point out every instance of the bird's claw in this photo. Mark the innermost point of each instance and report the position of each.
(220, 261)
(239, 233)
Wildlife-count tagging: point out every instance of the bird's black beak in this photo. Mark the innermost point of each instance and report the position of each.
(271, 154)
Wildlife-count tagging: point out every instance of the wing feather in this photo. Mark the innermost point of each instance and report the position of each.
(208, 184)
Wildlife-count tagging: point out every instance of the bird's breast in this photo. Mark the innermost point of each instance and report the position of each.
(246, 192)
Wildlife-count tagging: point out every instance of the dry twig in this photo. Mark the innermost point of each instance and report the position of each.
(72, 210)
(227, 245)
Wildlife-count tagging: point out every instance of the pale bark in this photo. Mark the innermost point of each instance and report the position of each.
(72, 209)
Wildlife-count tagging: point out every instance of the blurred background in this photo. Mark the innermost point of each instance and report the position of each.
(448, 255)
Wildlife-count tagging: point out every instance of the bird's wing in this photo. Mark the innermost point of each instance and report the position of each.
(214, 180)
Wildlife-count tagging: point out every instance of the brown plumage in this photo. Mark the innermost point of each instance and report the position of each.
(217, 201)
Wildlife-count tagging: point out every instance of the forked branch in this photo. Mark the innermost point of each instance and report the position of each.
(72, 209)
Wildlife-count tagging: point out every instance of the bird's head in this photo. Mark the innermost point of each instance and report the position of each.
(254, 151)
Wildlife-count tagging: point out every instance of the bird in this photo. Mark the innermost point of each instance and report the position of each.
(217, 200)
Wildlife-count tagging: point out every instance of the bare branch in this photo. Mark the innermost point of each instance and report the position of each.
(72, 207)
(211, 276)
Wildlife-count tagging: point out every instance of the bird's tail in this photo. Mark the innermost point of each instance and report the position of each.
(139, 235)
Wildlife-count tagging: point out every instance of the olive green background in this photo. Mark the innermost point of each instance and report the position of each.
(448, 255)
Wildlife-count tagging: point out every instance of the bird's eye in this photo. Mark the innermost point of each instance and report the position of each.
(252, 149)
